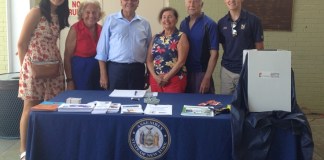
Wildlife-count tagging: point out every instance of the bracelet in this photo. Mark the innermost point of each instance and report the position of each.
(68, 80)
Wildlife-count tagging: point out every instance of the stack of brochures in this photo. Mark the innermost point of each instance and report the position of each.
(47, 106)
(101, 107)
(152, 109)
(131, 109)
(72, 100)
(75, 107)
(188, 110)
(114, 108)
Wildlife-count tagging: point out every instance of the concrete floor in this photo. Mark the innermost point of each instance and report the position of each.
(317, 125)
(9, 148)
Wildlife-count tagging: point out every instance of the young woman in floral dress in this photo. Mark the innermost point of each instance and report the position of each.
(38, 42)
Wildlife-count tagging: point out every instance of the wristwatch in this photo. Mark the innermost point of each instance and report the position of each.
(67, 80)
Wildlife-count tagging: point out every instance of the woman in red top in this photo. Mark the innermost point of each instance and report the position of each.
(81, 69)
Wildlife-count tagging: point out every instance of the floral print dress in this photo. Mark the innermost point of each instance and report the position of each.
(42, 47)
(165, 53)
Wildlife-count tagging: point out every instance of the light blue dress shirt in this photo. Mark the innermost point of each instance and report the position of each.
(124, 41)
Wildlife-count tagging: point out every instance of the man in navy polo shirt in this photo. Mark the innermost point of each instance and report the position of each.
(238, 30)
(203, 52)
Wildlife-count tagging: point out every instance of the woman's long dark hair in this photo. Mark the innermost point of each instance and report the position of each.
(62, 11)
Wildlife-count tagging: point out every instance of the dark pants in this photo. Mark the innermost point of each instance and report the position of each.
(194, 80)
(85, 73)
(126, 75)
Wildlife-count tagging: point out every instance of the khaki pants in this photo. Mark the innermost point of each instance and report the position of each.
(229, 81)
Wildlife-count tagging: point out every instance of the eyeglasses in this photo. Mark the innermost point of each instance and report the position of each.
(234, 31)
(132, 1)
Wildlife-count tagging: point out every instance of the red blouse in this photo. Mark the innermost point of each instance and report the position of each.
(85, 44)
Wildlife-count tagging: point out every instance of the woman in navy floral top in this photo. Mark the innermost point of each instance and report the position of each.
(167, 55)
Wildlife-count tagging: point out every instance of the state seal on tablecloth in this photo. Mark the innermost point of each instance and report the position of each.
(149, 138)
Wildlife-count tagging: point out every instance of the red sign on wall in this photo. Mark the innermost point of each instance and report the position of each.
(74, 5)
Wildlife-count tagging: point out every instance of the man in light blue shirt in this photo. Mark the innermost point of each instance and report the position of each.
(122, 48)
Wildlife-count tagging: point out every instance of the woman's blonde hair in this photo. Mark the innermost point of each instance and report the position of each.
(85, 3)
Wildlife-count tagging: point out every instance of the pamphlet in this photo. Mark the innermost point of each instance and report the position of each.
(210, 103)
(72, 100)
(45, 107)
(75, 107)
(114, 108)
(152, 109)
(101, 107)
(128, 93)
(188, 110)
(131, 109)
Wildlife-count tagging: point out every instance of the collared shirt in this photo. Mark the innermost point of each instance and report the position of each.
(124, 41)
(202, 38)
(85, 43)
(249, 31)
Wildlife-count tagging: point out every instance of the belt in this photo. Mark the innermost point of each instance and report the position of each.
(131, 63)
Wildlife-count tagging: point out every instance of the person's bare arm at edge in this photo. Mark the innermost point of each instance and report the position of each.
(70, 44)
(205, 84)
(150, 65)
(30, 23)
(103, 74)
(183, 48)
(259, 45)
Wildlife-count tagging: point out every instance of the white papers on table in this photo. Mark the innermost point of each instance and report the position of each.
(128, 93)
(188, 110)
(75, 107)
(72, 100)
(131, 109)
(152, 109)
(114, 108)
(101, 107)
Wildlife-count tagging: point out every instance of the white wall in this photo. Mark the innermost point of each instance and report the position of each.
(145, 10)
(17, 11)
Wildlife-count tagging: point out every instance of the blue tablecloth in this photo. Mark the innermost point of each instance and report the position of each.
(84, 136)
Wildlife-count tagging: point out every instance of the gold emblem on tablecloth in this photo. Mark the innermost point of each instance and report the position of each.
(149, 138)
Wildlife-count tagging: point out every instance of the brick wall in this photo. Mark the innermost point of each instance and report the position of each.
(305, 41)
(3, 38)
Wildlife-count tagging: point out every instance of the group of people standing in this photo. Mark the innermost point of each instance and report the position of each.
(119, 54)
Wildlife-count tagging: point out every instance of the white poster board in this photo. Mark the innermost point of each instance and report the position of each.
(269, 80)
